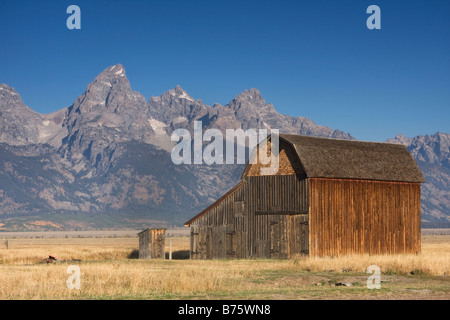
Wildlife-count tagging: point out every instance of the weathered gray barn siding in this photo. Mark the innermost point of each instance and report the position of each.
(152, 244)
(221, 230)
(255, 219)
(274, 203)
(144, 240)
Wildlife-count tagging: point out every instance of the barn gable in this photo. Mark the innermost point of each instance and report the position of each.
(288, 161)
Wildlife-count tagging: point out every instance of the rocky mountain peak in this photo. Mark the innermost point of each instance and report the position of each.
(109, 92)
(443, 137)
(176, 106)
(175, 94)
(430, 148)
(115, 71)
(249, 110)
(112, 78)
(250, 102)
(10, 99)
(7, 90)
(252, 94)
(18, 123)
(109, 112)
(399, 139)
(249, 97)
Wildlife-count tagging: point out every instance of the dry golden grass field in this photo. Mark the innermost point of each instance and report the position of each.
(110, 270)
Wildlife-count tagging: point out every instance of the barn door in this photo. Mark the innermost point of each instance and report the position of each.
(289, 235)
(278, 237)
(274, 237)
(304, 234)
(298, 235)
(218, 242)
(230, 245)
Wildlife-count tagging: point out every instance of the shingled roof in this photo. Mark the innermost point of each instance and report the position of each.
(350, 159)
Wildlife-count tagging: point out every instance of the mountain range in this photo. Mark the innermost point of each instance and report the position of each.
(104, 161)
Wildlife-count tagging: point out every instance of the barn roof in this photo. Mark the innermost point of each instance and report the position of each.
(215, 203)
(143, 231)
(351, 159)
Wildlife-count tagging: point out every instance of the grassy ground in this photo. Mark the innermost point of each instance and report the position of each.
(108, 271)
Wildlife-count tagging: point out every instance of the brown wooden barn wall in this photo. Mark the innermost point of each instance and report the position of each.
(364, 217)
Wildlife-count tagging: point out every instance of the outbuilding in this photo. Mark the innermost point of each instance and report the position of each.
(152, 243)
(329, 197)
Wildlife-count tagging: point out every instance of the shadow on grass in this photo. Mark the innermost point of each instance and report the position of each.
(176, 255)
(179, 255)
(134, 254)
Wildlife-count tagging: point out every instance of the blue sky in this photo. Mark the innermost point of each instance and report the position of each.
(309, 58)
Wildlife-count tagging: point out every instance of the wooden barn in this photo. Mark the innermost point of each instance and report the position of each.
(329, 198)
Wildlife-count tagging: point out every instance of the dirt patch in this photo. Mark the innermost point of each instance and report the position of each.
(296, 281)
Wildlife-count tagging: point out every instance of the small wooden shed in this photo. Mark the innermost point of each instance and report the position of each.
(329, 197)
(152, 244)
